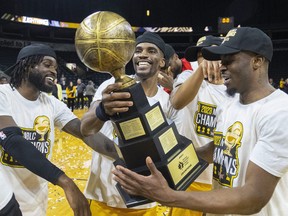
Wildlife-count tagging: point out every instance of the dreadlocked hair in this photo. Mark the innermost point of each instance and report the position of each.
(21, 69)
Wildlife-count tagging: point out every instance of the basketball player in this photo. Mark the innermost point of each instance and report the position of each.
(148, 58)
(249, 151)
(29, 116)
(202, 98)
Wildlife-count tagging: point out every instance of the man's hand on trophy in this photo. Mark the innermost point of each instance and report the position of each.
(115, 101)
(153, 187)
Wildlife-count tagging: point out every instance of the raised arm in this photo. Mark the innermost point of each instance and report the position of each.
(184, 93)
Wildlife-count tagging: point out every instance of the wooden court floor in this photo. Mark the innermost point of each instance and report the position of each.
(74, 158)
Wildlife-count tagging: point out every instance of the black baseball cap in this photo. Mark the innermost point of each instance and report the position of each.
(149, 37)
(31, 50)
(241, 39)
(205, 41)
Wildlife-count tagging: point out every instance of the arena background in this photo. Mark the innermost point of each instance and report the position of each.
(180, 23)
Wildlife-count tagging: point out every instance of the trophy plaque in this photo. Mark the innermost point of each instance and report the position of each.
(105, 42)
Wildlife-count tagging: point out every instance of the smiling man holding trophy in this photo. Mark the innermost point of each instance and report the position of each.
(136, 115)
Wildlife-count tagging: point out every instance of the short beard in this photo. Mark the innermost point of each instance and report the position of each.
(177, 72)
(231, 92)
(35, 77)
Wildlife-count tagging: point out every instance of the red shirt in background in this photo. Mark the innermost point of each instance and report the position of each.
(186, 65)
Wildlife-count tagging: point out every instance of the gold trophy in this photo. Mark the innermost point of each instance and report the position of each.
(105, 42)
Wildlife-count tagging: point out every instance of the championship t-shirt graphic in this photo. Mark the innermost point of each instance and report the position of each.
(225, 158)
(38, 136)
(205, 119)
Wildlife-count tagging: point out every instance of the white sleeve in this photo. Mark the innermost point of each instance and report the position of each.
(98, 94)
(182, 77)
(5, 107)
(271, 149)
(63, 114)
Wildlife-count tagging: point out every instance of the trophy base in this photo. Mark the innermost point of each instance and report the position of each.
(131, 201)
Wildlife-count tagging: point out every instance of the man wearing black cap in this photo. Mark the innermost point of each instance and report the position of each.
(249, 151)
(187, 92)
(28, 117)
(147, 60)
(202, 98)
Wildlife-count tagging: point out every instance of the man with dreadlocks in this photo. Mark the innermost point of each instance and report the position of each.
(28, 116)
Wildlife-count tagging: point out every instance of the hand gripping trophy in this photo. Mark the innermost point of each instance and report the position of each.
(105, 42)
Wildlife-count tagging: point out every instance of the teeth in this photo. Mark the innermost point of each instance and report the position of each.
(143, 63)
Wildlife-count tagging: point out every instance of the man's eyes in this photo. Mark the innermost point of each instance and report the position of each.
(48, 65)
(149, 51)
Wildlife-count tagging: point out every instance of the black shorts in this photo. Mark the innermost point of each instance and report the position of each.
(11, 209)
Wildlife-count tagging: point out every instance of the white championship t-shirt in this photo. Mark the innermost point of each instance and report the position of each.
(201, 119)
(36, 120)
(254, 132)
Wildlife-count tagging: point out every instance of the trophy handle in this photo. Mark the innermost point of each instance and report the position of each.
(120, 76)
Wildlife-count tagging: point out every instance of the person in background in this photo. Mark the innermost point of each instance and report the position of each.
(89, 92)
(71, 95)
(271, 81)
(281, 83)
(202, 98)
(285, 89)
(173, 67)
(196, 80)
(57, 90)
(63, 81)
(249, 151)
(80, 94)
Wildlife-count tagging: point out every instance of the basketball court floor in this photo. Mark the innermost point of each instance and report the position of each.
(74, 158)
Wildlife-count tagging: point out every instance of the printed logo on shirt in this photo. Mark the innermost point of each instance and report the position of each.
(38, 136)
(225, 158)
(205, 120)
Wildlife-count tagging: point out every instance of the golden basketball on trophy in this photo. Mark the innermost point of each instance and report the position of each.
(105, 42)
